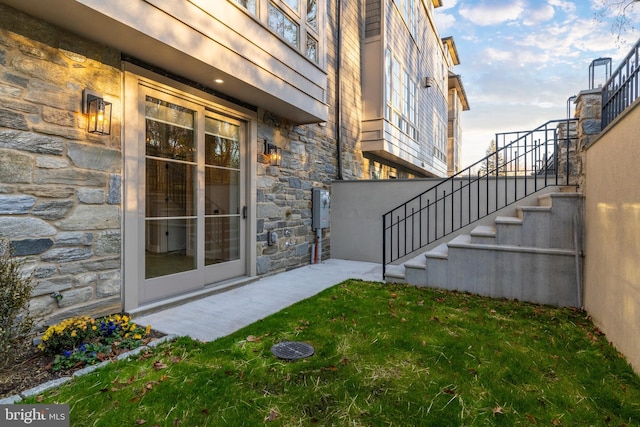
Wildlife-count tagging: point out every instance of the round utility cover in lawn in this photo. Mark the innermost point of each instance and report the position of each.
(292, 350)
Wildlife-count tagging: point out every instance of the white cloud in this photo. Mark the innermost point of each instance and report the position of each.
(566, 6)
(448, 4)
(539, 15)
(444, 22)
(500, 55)
(492, 12)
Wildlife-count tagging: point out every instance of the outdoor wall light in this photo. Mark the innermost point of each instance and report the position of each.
(428, 82)
(274, 153)
(99, 112)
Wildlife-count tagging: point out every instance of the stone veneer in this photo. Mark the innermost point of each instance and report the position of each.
(59, 185)
(589, 113)
(284, 192)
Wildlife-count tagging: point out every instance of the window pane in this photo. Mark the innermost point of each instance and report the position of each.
(250, 5)
(221, 141)
(293, 4)
(396, 85)
(282, 25)
(222, 191)
(312, 14)
(222, 239)
(170, 246)
(170, 189)
(312, 49)
(405, 93)
(169, 130)
(290, 31)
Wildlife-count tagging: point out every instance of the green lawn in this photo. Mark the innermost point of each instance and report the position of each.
(385, 355)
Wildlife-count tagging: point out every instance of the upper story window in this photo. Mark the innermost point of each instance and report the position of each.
(439, 138)
(250, 5)
(295, 21)
(400, 96)
(407, 9)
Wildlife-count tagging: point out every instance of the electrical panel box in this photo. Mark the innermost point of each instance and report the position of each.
(320, 204)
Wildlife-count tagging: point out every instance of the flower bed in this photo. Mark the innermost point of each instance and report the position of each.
(83, 340)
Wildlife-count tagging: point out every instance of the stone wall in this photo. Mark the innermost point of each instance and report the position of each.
(563, 146)
(589, 113)
(59, 186)
(284, 192)
(310, 156)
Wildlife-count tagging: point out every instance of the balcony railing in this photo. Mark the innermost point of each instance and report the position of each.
(623, 88)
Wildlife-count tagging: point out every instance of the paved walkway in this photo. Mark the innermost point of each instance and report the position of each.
(221, 314)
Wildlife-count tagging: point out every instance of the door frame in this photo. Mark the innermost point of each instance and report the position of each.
(133, 131)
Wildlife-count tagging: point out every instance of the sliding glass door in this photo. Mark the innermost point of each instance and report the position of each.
(194, 196)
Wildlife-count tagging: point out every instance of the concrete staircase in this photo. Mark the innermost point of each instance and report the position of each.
(534, 257)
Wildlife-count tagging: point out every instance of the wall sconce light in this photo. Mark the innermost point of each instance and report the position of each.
(99, 112)
(274, 153)
(428, 82)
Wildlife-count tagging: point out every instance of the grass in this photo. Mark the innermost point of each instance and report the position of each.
(385, 355)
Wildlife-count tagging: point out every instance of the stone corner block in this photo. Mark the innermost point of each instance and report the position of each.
(162, 340)
(90, 368)
(10, 400)
(44, 387)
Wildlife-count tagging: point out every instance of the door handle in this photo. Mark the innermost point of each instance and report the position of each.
(244, 212)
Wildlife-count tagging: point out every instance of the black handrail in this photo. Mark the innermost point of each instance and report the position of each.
(623, 88)
(523, 163)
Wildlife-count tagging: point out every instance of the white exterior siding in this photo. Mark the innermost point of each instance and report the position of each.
(420, 55)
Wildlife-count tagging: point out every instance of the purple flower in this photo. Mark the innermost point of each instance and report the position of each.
(67, 353)
(107, 328)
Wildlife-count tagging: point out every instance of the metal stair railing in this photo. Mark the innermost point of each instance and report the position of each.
(523, 163)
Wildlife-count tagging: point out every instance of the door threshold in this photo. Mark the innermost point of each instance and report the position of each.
(177, 300)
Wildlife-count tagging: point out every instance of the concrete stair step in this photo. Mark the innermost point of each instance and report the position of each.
(439, 251)
(415, 270)
(395, 274)
(529, 256)
(484, 235)
(437, 266)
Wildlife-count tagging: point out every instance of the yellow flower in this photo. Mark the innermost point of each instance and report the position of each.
(146, 331)
(74, 333)
(94, 327)
(137, 337)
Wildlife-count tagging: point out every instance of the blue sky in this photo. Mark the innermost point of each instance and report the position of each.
(520, 60)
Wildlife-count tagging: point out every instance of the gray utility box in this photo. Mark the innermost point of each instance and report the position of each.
(320, 204)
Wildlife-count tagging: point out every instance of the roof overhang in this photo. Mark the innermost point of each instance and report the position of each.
(453, 51)
(455, 82)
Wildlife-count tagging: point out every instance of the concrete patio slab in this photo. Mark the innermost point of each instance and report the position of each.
(221, 314)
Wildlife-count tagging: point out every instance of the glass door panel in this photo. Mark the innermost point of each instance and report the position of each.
(170, 190)
(222, 191)
(191, 227)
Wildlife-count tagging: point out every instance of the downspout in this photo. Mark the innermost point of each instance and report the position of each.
(339, 90)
